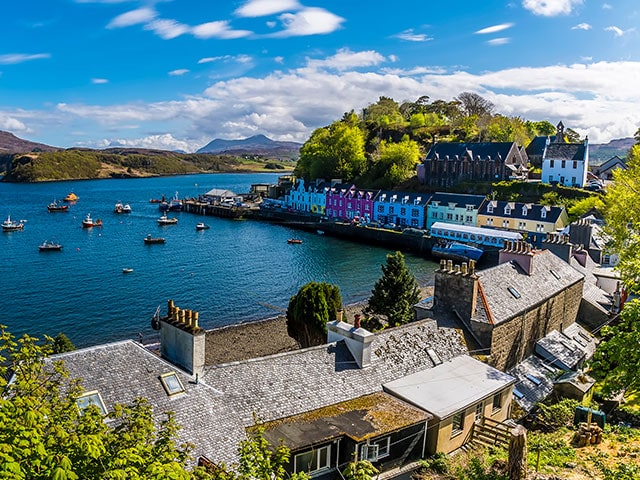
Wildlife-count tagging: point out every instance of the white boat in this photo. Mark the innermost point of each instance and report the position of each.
(49, 246)
(127, 270)
(164, 220)
(202, 226)
(88, 222)
(126, 208)
(11, 226)
(122, 208)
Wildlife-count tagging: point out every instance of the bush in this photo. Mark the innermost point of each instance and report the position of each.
(558, 415)
(438, 463)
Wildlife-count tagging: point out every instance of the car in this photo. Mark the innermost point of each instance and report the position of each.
(593, 188)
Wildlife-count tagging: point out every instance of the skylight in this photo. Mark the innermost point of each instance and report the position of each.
(434, 356)
(518, 393)
(91, 398)
(514, 292)
(535, 380)
(171, 383)
(555, 274)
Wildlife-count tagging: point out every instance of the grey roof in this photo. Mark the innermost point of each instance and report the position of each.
(614, 161)
(411, 197)
(484, 150)
(534, 381)
(451, 386)
(566, 151)
(459, 199)
(534, 210)
(583, 338)
(579, 380)
(536, 146)
(591, 293)
(541, 285)
(561, 350)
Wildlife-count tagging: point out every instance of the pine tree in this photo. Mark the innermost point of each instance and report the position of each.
(395, 292)
(309, 311)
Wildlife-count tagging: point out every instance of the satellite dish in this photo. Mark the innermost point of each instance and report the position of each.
(614, 258)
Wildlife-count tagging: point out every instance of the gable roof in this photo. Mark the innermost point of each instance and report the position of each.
(535, 288)
(536, 146)
(484, 150)
(534, 210)
(385, 196)
(561, 350)
(614, 161)
(566, 151)
(451, 386)
(461, 200)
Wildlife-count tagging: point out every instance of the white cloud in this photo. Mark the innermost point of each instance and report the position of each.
(310, 21)
(261, 8)
(167, 29)
(208, 59)
(495, 28)
(410, 36)
(99, 81)
(227, 59)
(606, 6)
(219, 29)
(618, 32)
(13, 58)
(582, 26)
(498, 41)
(164, 141)
(551, 8)
(346, 59)
(133, 17)
(179, 72)
(11, 124)
(279, 60)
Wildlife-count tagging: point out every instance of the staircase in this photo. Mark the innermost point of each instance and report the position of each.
(491, 432)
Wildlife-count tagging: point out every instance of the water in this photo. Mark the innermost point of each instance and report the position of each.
(238, 271)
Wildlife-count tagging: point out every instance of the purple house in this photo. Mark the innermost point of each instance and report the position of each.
(346, 201)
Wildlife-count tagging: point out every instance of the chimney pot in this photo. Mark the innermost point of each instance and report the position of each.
(339, 315)
(443, 264)
(356, 320)
(449, 265)
(472, 267)
(457, 268)
(464, 268)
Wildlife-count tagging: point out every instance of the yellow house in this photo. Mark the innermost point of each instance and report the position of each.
(529, 218)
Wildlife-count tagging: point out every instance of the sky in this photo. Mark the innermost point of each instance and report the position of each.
(176, 74)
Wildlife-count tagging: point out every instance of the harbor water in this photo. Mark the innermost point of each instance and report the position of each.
(237, 271)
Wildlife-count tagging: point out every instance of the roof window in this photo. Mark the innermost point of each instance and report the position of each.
(535, 380)
(91, 398)
(434, 356)
(518, 393)
(555, 274)
(514, 292)
(171, 383)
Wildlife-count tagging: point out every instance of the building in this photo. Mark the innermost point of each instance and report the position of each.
(346, 202)
(533, 219)
(307, 198)
(447, 164)
(456, 208)
(506, 309)
(565, 163)
(605, 170)
(404, 209)
(535, 149)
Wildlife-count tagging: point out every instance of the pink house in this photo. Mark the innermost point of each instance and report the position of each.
(346, 201)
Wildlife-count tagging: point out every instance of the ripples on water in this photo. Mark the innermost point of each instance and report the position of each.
(238, 271)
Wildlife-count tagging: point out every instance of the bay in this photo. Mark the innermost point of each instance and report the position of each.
(237, 271)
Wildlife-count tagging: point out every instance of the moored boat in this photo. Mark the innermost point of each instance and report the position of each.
(71, 197)
(57, 207)
(164, 220)
(122, 208)
(175, 205)
(88, 222)
(49, 246)
(202, 226)
(149, 240)
(11, 226)
(294, 240)
(127, 270)
(456, 251)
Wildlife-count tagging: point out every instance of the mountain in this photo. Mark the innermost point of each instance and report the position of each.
(601, 152)
(9, 143)
(256, 145)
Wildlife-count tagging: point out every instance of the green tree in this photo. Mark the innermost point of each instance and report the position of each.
(398, 160)
(395, 292)
(61, 344)
(384, 113)
(507, 129)
(309, 311)
(542, 128)
(360, 470)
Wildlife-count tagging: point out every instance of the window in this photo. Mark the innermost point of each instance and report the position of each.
(550, 178)
(518, 393)
(171, 383)
(313, 460)
(543, 213)
(449, 216)
(479, 411)
(551, 162)
(415, 212)
(457, 424)
(522, 225)
(469, 218)
(514, 292)
(505, 224)
(507, 210)
(434, 215)
(564, 164)
(375, 450)
(575, 164)
(489, 221)
(403, 211)
(573, 180)
(380, 208)
(91, 398)
(391, 210)
(524, 211)
(489, 208)
(497, 402)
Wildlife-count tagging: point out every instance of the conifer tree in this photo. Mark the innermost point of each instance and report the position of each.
(395, 292)
(309, 311)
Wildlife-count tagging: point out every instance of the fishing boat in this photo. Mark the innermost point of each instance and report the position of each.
(164, 220)
(175, 205)
(127, 270)
(202, 226)
(88, 222)
(294, 240)
(49, 246)
(57, 207)
(71, 197)
(12, 226)
(456, 251)
(149, 240)
(122, 208)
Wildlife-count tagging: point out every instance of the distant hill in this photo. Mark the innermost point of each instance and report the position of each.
(9, 143)
(256, 145)
(599, 153)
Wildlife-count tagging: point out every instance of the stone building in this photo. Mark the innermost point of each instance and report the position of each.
(507, 308)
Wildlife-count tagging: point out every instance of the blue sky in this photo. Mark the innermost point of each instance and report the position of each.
(176, 74)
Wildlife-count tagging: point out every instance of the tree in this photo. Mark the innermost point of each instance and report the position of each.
(507, 129)
(309, 311)
(384, 113)
(398, 160)
(473, 104)
(542, 128)
(360, 470)
(395, 292)
(61, 344)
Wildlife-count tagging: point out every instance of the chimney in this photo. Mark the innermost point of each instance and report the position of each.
(357, 339)
(182, 341)
(456, 288)
(519, 252)
(339, 315)
(356, 321)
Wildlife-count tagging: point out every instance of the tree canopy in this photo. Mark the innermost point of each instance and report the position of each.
(309, 311)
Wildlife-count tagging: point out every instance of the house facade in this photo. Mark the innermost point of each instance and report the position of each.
(459, 209)
(565, 163)
(404, 209)
(605, 170)
(307, 198)
(447, 164)
(346, 202)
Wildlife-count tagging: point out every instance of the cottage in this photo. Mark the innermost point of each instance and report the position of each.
(456, 208)
(605, 170)
(565, 163)
(346, 202)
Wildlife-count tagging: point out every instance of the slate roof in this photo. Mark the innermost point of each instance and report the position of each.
(411, 197)
(565, 151)
(579, 380)
(534, 381)
(536, 146)
(534, 211)
(561, 350)
(451, 386)
(614, 161)
(459, 199)
(484, 150)
(541, 285)
(591, 293)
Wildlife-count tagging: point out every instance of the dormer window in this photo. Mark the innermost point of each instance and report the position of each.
(543, 213)
(490, 208)
(524, 210)
(507, 210)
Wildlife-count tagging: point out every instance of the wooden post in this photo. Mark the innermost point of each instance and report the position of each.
(518, 453)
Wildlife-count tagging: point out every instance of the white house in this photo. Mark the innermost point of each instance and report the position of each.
(565, 163)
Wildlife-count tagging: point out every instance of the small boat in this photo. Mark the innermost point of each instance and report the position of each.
(57, 207)
(49, 246)
(120, 208)
(127, 270)
(320, 232)
(149, 240)
(202, 226)
(126, 208)
(294, 240)
(71, 197)
(12, 226)
(88, 222)
(164, 220)
(456, 251)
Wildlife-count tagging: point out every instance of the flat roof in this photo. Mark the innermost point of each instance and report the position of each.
(476, 230)
(451, 386)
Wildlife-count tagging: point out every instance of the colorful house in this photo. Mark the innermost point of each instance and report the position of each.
(404, 209)
(307, 198)
(346, 202)
(457, 208)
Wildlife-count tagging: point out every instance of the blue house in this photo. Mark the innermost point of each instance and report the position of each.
(405, 209)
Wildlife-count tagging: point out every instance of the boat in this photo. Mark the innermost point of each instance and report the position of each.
(71, 197)
(456, 251)
(127, 270)
(202, 226)
(149, 240)
(88, 222)
(294, 240)
(49, 246)
(164, 220)
(320, 232)
(175, 205)
(120, 208)
(12, 226)
(57, 207)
